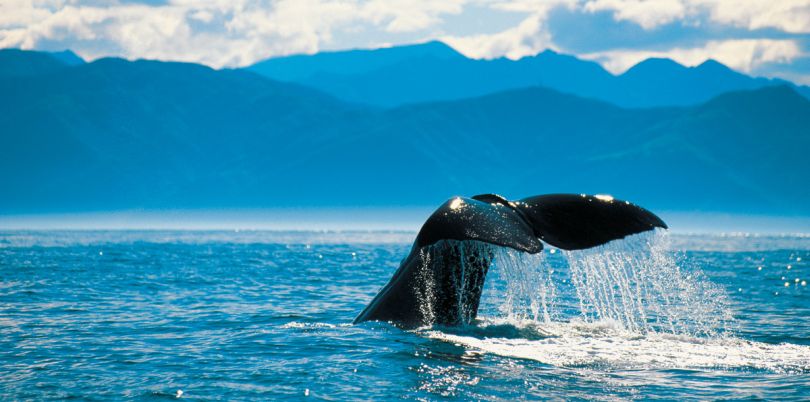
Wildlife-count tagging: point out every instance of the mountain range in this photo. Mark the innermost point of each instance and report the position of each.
(434, 71)
(117, 134)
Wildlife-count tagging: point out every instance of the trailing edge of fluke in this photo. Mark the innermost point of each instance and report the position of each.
(441, 279)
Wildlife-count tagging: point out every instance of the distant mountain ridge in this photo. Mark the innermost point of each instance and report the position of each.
(299, 67)
(112, 127)
(15, 62)
(116, 134)
(434, 71)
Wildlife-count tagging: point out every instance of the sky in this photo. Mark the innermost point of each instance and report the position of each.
(759, 37)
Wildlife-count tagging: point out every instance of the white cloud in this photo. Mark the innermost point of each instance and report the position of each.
(409, 15)
(740, 54)
(527, 38)
(786, 15)
(214, 32)
(648, 14)
(537, 7)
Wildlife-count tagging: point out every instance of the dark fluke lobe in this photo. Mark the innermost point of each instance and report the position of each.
(441, 279)
(575, 222)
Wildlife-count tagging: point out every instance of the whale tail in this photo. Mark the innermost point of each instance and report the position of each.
(441, 280)
(575, 222)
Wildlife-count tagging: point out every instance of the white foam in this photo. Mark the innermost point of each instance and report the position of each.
(607, 343)
(311, 325)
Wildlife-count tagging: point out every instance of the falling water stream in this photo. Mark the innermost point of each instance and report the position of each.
(636, 283)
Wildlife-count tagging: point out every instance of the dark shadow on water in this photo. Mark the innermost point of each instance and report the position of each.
(480, 329)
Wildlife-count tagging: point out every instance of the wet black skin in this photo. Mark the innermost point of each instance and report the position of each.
(441, 279)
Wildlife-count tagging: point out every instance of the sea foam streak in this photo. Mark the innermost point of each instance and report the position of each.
(630, 303)
(578, 343)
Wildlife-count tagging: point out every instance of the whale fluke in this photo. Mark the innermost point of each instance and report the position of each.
(575, 222)
(441, 279)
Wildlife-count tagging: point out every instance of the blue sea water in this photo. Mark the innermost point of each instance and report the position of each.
(267, 315)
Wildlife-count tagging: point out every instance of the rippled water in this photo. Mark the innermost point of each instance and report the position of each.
(229, 316)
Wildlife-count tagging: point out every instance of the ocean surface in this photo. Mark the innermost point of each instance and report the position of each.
(150, 315)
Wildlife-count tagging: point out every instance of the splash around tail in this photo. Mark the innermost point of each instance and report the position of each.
(442, 278)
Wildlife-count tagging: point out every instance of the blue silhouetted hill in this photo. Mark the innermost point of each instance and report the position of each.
(117, 134)
(741, 152)
(359, 61)
(67, 57)
(15, 62)
(434, 71)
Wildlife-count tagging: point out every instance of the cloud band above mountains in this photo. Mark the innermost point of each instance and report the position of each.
(761, 37)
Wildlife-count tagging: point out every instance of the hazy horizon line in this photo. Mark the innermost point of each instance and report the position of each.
(351, 219)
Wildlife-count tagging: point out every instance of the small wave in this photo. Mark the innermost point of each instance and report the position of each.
(312, 325)
(607, 343)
